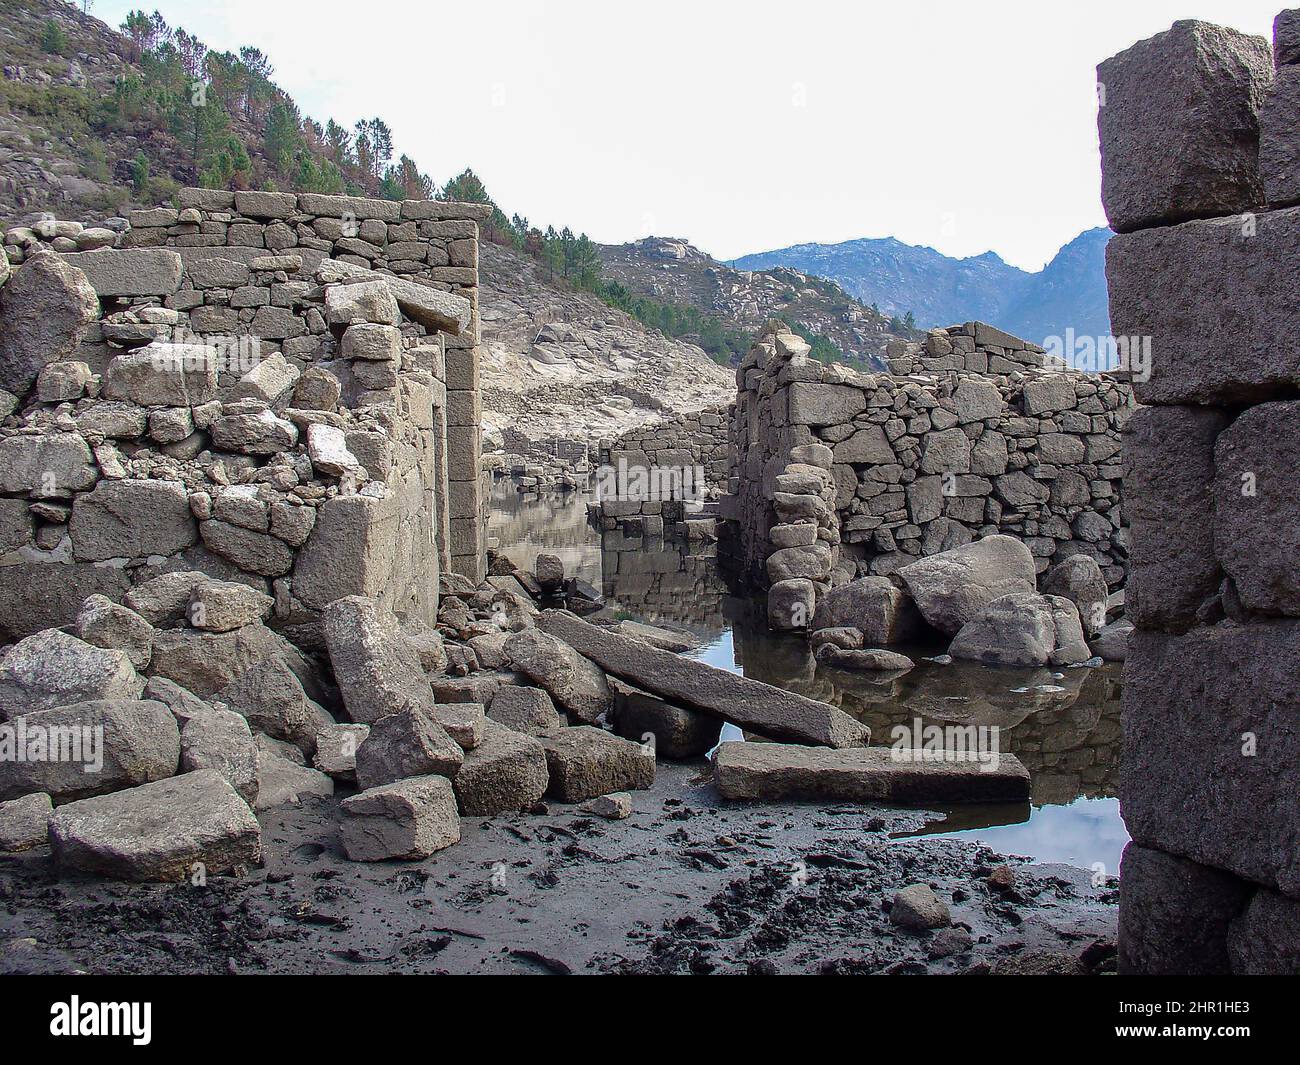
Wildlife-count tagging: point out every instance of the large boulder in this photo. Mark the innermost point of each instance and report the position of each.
(220, 740)
(270, 697)
(45, 309)
(90, 748)
(506, 771)
(103, 623)
(528, 710)
(206, 662)
(1079, 580)
(409, 743)
(168, 830)
(377, 670)
(51, 668)
(584, 762)
(578, 686)
(407, 819)
(1014, 630)
(951, 588)
(883, 611)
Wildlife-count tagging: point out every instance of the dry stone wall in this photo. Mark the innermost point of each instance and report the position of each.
(1198, 139)
(974, 432)
(258, 410)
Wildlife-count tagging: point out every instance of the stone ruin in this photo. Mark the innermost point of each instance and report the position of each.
(975, 450)
(1200, 140)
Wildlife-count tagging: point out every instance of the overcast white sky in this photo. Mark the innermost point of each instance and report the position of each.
(740, 126)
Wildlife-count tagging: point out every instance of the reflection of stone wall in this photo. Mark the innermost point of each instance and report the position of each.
(663, 581)
(1194, 126)
(974, 433)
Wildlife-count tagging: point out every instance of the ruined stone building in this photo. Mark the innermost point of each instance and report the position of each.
(272, 388)
(1200, 139)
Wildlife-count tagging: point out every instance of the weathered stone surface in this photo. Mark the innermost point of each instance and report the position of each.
(270, 696)
(336, 750)
(132, 519)
(695, 685)
(327, 447)
(163, 375)
(1111, 643)
(506, 771)
(45, 309)
(269, 381)
(1195, 708)
(1079, 580)
(584, 762)
(362, 301)
(159, 831)
(351, 550)
(223, 606)
(36, 596)
(951, 588)
(377, 671)
(206, 662)
(576, 685)
(672, 731)
(408, 743)
(1256, 502)
(220, 740)
(102, 745)
(1189, 286)
(51, 668)
(883, 612)
(1174, 915)
(429, 306)
(1279, 148)
(283, 782)
(868, 445)
(527, 710)
(254, 434)
(463, 722)
(103, 623)
(46, 466)
(977, 400)
(1169, 477)
(775, 771)
(408, 819)
(1265, 939)
(1179, 125)
(129, 271)
(1013, 630)
(818, 404)
(918, 909)
(868, 660)
(790, 604)
(165, 597)
(550, 571)
(1071, 649)
(616, 807)
(25, 822)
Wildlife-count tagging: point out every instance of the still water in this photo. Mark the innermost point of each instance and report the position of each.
(1063, 724)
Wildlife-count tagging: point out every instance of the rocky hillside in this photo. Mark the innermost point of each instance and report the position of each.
(563, 365)
(673, 271)
(1070, 292)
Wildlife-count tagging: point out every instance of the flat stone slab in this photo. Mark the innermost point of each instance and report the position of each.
(751, 704)
(129, 271)
(159, 831)
(428, 306)
(743, 770)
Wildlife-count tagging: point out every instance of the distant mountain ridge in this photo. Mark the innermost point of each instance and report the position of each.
(1068, 293)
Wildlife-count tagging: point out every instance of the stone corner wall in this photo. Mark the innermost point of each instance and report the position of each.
(1200, 140)
(841, 474)
(226, 388)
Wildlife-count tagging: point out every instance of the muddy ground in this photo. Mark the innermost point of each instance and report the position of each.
(688, 884)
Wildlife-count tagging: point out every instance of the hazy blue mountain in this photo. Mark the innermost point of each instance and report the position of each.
(1070, 292)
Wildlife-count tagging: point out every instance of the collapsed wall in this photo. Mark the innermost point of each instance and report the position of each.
(973, 432)
(1200, 142)
(218, 393)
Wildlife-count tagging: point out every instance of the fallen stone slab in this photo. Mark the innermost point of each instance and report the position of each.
(673, 731)
(409, 743)
(771, 771)
(282, 782)
(506, 771)
(272, 698)
(25, 822)
(83, 749)
(160, 831)
(751, 704)
(103, 623)
(573, 682)
(408, 819)
(377, 670)
(584, 762)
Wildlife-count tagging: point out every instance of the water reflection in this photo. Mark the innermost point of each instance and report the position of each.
(1063, 724)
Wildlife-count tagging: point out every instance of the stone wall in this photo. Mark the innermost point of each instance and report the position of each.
(695, 444)
(1199, 142)
(256, 410)
(974, 432)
